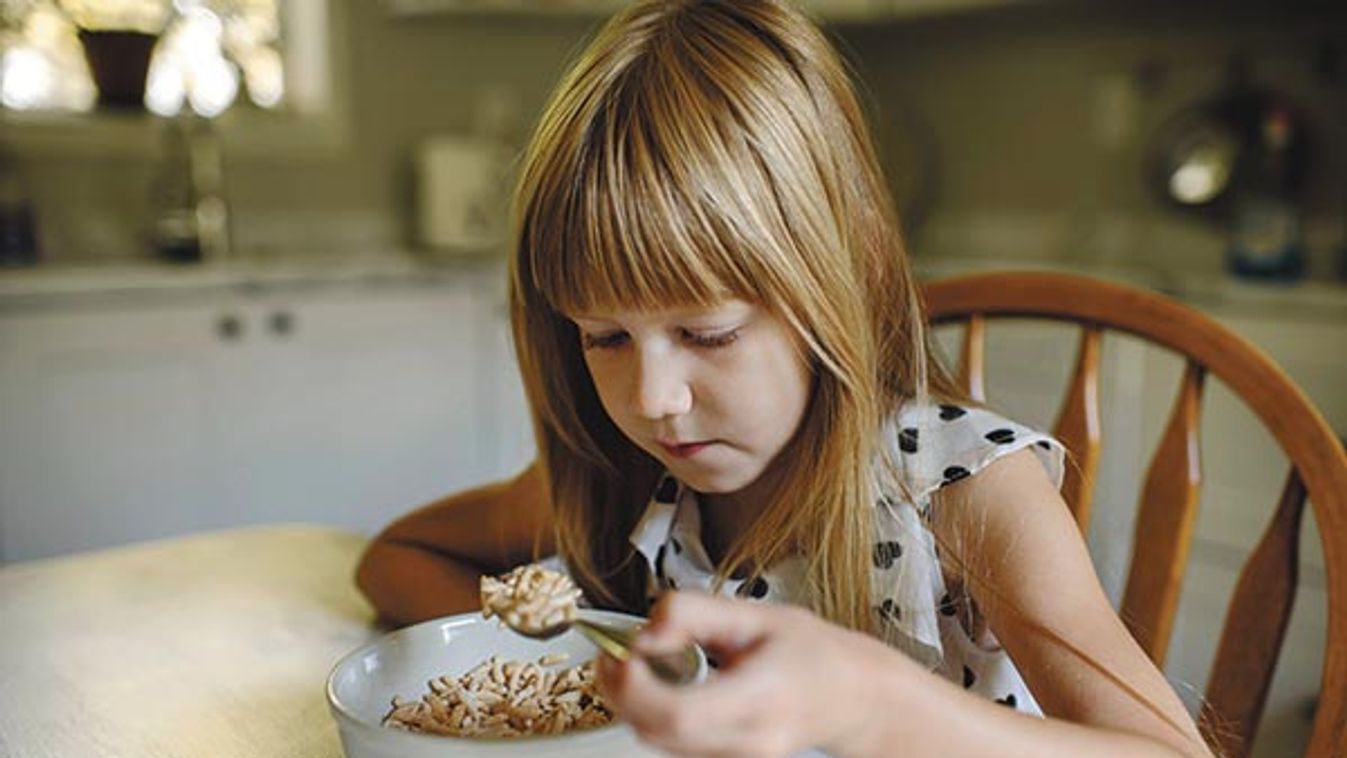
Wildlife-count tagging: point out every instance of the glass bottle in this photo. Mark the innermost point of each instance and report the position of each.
(173, 229)
(1267, 240)
(18, 226)
(191, 221)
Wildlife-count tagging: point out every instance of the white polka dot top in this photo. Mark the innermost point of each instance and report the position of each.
(934, 446)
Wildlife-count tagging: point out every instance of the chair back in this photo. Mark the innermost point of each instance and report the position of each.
(1258, 612)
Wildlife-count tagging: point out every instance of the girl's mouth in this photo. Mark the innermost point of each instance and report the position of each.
(685, 450)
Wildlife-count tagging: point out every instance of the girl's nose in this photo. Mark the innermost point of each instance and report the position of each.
(661, 390)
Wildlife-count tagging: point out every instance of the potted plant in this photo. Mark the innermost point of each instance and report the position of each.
(119, 37)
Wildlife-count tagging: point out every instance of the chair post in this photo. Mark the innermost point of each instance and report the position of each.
(1255, 625)
(1079, 427)
(1164, 525)
(971, 361)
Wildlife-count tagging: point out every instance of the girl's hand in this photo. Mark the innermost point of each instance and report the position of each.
(786, 680)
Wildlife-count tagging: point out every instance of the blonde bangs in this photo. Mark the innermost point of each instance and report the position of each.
(618, 250)
(669, 202)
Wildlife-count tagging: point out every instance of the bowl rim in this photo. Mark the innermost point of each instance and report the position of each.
(344, 714)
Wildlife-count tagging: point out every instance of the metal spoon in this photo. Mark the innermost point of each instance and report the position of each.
(684, 667)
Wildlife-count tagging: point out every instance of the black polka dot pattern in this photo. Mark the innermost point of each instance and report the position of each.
(885, 553)
(889, 610)
(1008, 701)
(1044, 444)
(1001, 436)
(951, 412)
(668, 490)
(677, 546)
(953, 474)
(907, 440)
(755, 589)
(947, 605)
(659, 562)
(969, 678)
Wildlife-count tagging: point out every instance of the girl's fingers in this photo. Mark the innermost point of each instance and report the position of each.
(696, 720)
(722, 715)
(714, 622)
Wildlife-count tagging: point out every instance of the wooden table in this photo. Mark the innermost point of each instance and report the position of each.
(210, 646)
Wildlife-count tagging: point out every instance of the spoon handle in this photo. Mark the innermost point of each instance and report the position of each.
(673, 668)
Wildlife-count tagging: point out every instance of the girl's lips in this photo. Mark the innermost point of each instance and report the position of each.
(686, 450)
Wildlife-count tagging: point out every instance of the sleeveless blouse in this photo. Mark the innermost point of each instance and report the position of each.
(932, 446)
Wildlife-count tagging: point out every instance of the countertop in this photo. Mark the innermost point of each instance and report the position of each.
(214, 645)
(60, 286)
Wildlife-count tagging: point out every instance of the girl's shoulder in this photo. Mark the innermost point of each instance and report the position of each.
(938, 444)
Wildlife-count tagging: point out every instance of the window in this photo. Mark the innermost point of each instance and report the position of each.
(263, 69)
(204, 54)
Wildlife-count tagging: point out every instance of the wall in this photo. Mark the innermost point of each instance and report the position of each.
(1014, 132)
(405, 78)
(1029, 124)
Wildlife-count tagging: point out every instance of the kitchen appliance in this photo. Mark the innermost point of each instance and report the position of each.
(1239, 160)
(462, 194)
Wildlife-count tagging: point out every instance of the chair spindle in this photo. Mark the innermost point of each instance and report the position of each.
(971, 363)
(1164, 526)
(1254, 628)
(1079, 427)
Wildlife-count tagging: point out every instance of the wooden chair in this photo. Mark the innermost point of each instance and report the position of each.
(1260, 607)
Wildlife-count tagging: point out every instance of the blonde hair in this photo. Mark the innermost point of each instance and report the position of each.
(701, 149)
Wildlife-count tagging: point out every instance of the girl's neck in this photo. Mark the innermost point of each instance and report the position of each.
(728, 516)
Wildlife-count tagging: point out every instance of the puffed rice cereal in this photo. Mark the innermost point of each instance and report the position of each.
(530, 598)
(505, 699)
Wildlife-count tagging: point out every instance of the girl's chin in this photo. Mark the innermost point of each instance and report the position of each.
(709, 481)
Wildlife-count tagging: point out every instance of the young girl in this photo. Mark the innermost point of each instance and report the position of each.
(732, 392)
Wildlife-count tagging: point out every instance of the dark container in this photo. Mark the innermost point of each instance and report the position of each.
(119, 60)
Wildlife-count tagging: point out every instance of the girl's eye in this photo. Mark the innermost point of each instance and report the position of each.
(711, 339)
(613, 340)
(602, 341)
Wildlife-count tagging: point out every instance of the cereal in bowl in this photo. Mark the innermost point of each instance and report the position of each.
(505, 699)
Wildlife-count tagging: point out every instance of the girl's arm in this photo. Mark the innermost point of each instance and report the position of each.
(1028, 569)
(789, 681)
(429, 563)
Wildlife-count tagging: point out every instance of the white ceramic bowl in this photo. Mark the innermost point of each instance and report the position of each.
(362, 684)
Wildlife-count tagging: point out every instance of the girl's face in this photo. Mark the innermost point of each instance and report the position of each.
(714, 394)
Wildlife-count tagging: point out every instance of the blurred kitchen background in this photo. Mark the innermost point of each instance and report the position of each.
(252, 250)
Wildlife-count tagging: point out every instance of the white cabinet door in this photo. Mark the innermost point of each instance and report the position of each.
(507, 416)
(108, 427)
(355, 407)
(340, 406)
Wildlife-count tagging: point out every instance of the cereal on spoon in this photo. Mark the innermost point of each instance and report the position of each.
(530, 598)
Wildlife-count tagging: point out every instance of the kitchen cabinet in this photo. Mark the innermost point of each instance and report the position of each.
(337, 405)
(108, 428)
(509, 447)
